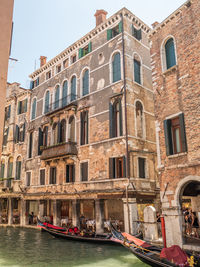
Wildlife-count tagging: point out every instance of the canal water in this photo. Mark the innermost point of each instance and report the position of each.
(22, 247)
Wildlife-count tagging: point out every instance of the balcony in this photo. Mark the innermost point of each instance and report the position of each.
(64, 102)
(59, 150)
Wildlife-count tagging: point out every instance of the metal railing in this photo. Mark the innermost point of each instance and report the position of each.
(61, 103)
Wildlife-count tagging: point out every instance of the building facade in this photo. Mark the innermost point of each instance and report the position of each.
(6, 13)
(175, 72)
(89, 146)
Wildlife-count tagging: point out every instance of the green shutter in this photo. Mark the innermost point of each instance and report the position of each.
(183, 133)
(37, 81)
(120, 27)
(139, 34)
(59, 132)
(87, 125)
(81, 130)
(31, 85)
(168, 137)
(19, 108)
(24, 128)
(17, 134)
(170, 53)
(116, 67)
(40, 141)
(9, 110)
(85, 82)
(90, 47)
(80, 52)
(25, 105)
(110, 120)
(109, 34)
(120, 118)
(137, 72)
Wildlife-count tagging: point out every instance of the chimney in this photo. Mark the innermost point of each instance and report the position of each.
(154, 24)
(43, 61)
(100, 16)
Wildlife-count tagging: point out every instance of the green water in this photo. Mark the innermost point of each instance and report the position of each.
(29, 247)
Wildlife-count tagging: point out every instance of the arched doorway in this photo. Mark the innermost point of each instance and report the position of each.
(190, 205)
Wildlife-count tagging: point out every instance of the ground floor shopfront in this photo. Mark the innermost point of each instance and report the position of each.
(92, 213)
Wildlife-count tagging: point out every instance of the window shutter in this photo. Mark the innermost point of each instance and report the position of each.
(73, 173)
(168, 137)
(120, 27)
(120, 118)
(116, 67)
(90, 47)
(124, 166)
(40, 141)
(31, 85)
(19, 170)
(86, 118)
(46, 135)
(67, 173)
(37, 81)
(170, 53)
(110, 120)
(139, 34)
(109, 34)
(111, 168)
(183, 133)
(23, 136)
(80, 52)
(86, 83)
(137, 71)
(133, 30)
(25, 105)
(46, 108)
(59, 133)
(17, 134)
(9, 109)
(19, 107)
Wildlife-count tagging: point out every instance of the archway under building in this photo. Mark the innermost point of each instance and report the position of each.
(189, 199)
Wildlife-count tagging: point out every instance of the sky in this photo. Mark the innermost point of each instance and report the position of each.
(47, 27)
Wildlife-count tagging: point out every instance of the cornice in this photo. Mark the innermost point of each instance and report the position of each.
(170, 18)
(89, 36)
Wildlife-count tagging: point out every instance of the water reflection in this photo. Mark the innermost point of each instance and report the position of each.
(29, 247)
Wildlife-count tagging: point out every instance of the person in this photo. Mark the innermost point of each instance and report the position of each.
(195, 224)
(82, 222)
(188, 222)
(31, 216)
(158, 217)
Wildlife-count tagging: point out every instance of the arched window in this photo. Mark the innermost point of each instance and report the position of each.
(18, 168)
(47, 102)
(73, 88)
(57, 97)
(2, 169)
(64, 94)
(62, 131)
(55, 133)
(85, 83)
(137, 69)
(170, 53)
(33, 111)
(71, 129)
(116, 68)
(139, 119)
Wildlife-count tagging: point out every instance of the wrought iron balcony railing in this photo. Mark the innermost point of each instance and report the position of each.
(59, 104)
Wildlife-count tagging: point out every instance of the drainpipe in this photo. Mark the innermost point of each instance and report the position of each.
(126, 124)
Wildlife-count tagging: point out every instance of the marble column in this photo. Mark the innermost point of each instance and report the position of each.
(133, 215)
(57, 212)
(10, 211)
(76, 212)
(99, 216)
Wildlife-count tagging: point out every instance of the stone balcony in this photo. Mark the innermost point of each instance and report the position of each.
(59, 150)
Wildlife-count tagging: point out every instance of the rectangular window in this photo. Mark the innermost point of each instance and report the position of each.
(85, 50)
(115, 119)
(84, 171)
(28, 178)
(84, 128)
(52, 175)
(142, 167)
(48, 75)
(137, 71)
(137, 33)
(7, 112)
(42, 177)
(22, 106)
(30, 145)
(117, 167)
(114, 31)
(66, 63)
(73, 59)
(175, 135)
(70, 173)
(58, 68)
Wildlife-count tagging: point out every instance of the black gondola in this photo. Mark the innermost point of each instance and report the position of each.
(147, 253)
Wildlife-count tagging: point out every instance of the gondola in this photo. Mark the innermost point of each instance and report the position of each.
(152, 255)
(64, 233)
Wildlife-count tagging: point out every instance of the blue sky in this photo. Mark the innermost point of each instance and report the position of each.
(47, 27)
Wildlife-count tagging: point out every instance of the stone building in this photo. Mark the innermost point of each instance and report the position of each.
(6, 13)
(175, 72)
(89, 147)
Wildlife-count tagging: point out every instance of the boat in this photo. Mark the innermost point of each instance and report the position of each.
(74, 234)
(153, 255)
